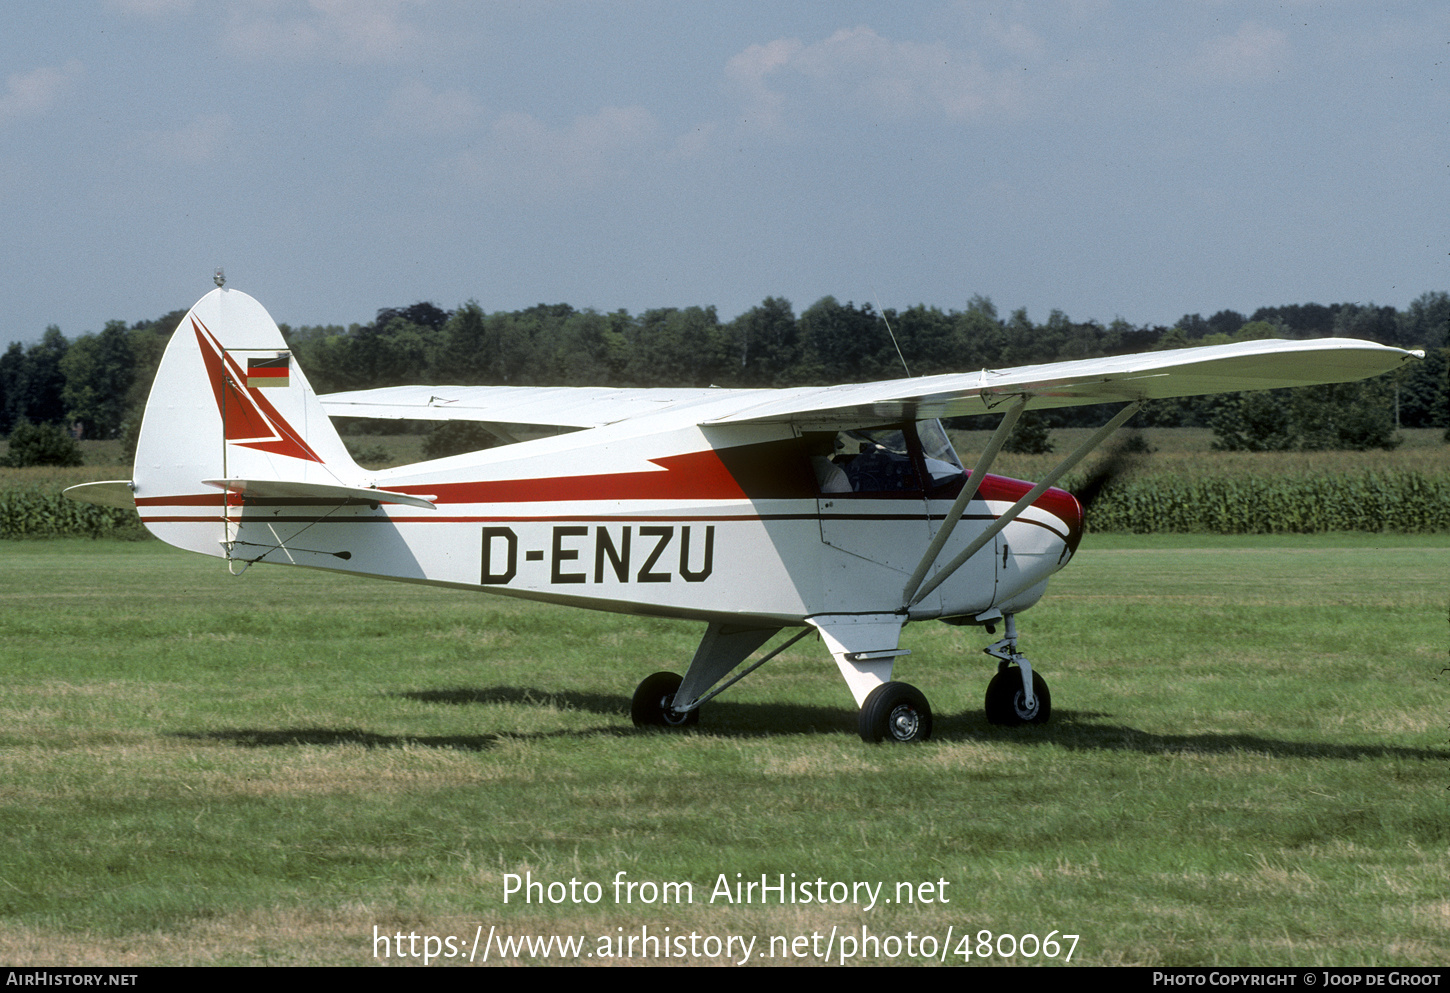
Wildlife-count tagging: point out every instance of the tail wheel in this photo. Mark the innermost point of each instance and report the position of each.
(653, 704)
(895, 712)
(1006, 703)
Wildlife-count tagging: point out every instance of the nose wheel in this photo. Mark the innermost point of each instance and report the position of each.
(1016, 695)
(1007, 700)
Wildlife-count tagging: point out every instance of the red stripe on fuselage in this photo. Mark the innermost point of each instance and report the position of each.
(692, 476)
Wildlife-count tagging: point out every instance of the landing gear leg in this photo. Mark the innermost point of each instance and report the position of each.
(1016, 695)
(671, 701)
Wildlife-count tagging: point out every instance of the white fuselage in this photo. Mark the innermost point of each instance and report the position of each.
(710, 523)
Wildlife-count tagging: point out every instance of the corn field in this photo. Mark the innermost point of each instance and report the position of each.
(1399, 500)
(32, 506)
(1406, 501)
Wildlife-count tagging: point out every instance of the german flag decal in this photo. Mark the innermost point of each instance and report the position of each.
(270, 371)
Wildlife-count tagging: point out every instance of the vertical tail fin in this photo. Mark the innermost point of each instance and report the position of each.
(228, 403)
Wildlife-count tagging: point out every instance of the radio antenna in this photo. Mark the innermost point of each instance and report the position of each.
(891, 332)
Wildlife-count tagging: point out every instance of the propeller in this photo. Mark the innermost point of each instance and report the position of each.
(1123, 457)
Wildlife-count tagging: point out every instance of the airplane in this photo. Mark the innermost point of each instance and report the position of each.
(840, 510)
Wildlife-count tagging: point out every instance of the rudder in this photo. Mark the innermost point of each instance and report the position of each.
(228, 402)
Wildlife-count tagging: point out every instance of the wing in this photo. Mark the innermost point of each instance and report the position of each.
(533, 406)
(1249, 365)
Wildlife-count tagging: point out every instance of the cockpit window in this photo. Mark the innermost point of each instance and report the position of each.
(876, 461)
(884, 459)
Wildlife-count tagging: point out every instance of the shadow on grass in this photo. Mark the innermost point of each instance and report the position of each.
(332, 737)
(726, 718)
(1080, 730)
(610, 704)
(1076, 730)
(729, 720)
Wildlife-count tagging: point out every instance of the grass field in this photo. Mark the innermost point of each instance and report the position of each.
(1247, 765)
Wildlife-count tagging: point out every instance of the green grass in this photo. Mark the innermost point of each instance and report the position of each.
(1247, 764)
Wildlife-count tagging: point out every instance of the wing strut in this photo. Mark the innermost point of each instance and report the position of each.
(974, 481)
(1078, 454)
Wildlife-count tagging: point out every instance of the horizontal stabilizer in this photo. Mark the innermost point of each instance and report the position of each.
(280, 489)
(111, 493)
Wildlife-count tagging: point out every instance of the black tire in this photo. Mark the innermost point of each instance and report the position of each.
(651, 705)
(895, 712)
(1004, 699)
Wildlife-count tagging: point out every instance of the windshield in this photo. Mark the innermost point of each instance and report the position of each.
(942, 464)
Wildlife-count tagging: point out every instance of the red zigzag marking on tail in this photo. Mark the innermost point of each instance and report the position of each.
(248, 418)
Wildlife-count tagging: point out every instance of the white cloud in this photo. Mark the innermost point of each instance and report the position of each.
(353, 31)
(527, 157)
(1016, 38)
(200, 141)
(151, 8)
(1005, 26)
(417, 109)
(696, 143)
(32, 93)
(859, 68)
(749, 74)
(1252, 52)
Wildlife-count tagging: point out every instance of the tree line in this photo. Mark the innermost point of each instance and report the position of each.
(96, 385)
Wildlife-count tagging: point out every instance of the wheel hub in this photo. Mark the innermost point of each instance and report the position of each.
(672, 716)
(904, 722)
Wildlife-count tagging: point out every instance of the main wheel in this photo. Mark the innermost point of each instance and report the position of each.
(652, 704)
(895, 712)
(1005, 699)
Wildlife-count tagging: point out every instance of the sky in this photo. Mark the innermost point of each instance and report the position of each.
(1105, 158)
